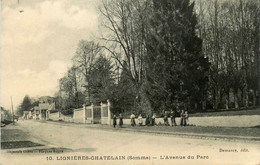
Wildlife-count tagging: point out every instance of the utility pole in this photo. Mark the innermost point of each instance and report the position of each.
(12, 109)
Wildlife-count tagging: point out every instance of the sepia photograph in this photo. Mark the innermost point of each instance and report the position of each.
(138, 82)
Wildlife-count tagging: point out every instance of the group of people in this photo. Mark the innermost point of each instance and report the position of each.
(120, 121)
(184, 118)
(150, 121)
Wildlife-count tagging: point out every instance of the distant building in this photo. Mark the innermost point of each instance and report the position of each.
(27, 115)
(41, 112)
(35, 112)
(46, 99)
(4, 114)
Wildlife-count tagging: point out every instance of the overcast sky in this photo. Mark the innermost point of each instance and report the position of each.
(38, 40)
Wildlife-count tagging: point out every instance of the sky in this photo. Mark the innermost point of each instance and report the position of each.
(38, 40)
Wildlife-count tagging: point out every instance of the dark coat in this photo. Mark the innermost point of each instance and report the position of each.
(147, 121)
(114, 120)
(121, 121)
(173, 115)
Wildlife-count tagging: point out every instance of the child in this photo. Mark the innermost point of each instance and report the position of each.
(114, 121)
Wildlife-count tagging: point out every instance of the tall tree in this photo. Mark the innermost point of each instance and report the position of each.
(69, 90)
(26, 105)
(230, 32)
(84, 60)
(123, 96)
(102, 80)
(176, 69)
(125, 22)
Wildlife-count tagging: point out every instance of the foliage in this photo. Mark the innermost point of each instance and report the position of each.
(158, 55)
(84, 61)
(230, 32)
(26, 105)
(123, 96)
(176, 69)
(101, 83)
(69, 95)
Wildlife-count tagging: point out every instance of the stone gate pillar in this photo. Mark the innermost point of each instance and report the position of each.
(84, 114)
(47, 114)
(108, 113)
(40, 115)
(102, 113)
(92, 112)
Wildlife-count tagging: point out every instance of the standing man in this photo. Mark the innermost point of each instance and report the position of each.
(114, 121)
(120, 120)
(173, 118)
(147, 120)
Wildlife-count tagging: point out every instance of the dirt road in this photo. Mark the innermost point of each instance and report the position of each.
(96, 146)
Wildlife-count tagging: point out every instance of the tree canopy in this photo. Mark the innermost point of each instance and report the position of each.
(158, 55)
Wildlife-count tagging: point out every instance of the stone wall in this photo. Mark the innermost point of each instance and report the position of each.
(78, 115)
(66, 118)
(216, 121)
(54, 116)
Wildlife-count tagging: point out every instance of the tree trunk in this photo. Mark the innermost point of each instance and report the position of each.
(254, 98)
(227, 102)
(242, 98)
(217, 100)
(204, 105)
(236, 100)
(246, 97)
(228, 99)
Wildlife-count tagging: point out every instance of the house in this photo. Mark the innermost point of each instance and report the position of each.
(43, 106)
(50, 109)
(46, 105)
(27, 115)
(4, 114)
(35, 112)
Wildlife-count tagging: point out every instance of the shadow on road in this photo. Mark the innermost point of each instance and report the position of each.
(18, 144)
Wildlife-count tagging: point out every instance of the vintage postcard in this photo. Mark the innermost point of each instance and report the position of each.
(130, 82)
